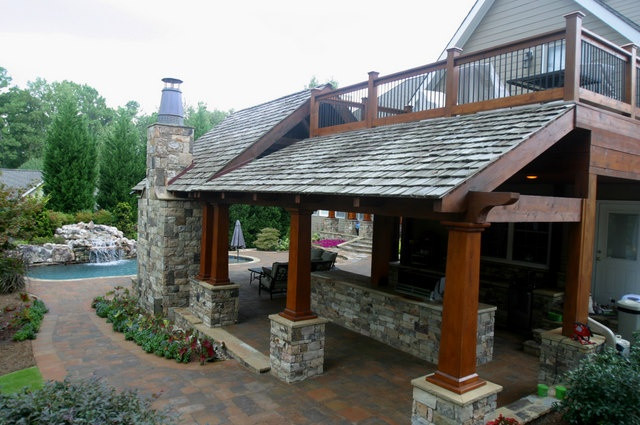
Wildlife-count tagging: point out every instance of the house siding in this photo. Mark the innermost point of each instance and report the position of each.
(510, 20)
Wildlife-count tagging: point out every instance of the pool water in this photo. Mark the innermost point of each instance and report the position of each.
(84, 271)
(89, 270)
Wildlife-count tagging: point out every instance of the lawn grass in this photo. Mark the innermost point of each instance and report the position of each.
(15, 381)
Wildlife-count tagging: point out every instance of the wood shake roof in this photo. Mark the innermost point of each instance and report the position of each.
(420, 159)
(234, 135)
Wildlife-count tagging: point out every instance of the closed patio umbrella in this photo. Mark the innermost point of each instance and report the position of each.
(237, 240)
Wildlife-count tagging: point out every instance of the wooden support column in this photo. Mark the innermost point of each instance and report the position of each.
(351, 216)
(573, 56)
(220, 246)
(383, 251)
(206, 242)
(457, 356)
(332, 214)
(367, 217)
(580, 266)
(631, 78)
(299, 276)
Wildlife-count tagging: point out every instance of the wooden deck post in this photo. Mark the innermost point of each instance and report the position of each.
(299, 276)
(383, 250)
(206, 242)
(573, 56)
(631, 78)
(452, 81)
(457, 356)
(580, 266)
(220, 246)
(372, 99)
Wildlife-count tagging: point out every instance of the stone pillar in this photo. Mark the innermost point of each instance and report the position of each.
(435, 405)
(366, 227)
(169, 228)
(560, 354)
(330, 224)
(296, 349)
(350, 224)
(214, 305)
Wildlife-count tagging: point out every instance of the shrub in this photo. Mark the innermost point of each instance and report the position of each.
(84, 216)
(11, 273)
(84, 402)
(124, 220)
(268, 239)
(103, 217)
(154, 334)
(603, 389)
(58, 219)
(28, 318)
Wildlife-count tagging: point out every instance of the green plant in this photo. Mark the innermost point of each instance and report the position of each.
(603, 389)
(155, 335)
(11, 273)
(59, 219)
(103, 217)
(27, 318)
(124, 219)
(268, 239)
(501, 420)
(84, 216)
(283, 244)
(84, 402)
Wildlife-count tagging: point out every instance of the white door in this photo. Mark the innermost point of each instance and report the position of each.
(616, 257)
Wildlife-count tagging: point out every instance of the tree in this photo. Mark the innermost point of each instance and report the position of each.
(203, 120)
(255, 218)
(70, 161)
(119, 168)
(313, 83)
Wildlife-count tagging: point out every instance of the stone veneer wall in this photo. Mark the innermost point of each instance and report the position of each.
(410, 326)
(560, 354)
(214, 305)
(169, 228)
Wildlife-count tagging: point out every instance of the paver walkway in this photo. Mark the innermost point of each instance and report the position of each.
(365, 382)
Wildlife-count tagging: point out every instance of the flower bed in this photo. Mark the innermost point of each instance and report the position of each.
(25, 319)
(154, 334)
(328, 243)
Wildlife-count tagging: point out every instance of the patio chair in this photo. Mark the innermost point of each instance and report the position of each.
(274, 280)
(325, 262)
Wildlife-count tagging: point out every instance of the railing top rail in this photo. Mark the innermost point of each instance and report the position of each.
(412, 72)
(605, 44)
(342, 90)
(511, 46)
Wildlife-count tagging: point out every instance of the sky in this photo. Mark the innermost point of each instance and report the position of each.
(230, 55)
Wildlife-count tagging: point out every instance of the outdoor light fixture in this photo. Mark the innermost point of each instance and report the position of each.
(528, 59)
(531, 176)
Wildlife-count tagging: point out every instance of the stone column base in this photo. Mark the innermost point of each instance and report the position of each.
(435, 405)
(214, 305)
(560, 354)
(296, 348)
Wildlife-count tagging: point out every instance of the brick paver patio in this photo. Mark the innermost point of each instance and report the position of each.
(365, 382)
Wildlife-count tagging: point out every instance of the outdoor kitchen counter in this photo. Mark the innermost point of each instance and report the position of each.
(347, 299)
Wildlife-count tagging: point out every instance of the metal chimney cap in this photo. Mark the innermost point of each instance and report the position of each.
(170, 80)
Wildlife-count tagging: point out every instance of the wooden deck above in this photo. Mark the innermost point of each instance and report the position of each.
(570, 64)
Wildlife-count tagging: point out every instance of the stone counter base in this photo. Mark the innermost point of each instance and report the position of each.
(214, 305)
(560, 354)
(296, 348)
(434, 405)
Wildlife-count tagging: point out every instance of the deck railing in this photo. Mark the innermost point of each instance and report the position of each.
(571, 64)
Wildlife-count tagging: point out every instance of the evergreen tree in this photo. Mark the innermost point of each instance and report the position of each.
(119, 170)
(203, 120)
(70, 161)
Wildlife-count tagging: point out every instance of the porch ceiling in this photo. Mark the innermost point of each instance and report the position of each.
(428, 160)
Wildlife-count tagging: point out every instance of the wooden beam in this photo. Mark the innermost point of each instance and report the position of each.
(299, 274)
(458, 336)
(220, 247)
(206, 242)
(615, 162)
(480, 203)
(538, 209)
(509, 163)
(580, 266)
(589, 117)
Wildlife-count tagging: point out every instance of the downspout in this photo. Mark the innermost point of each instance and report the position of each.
(597, 327)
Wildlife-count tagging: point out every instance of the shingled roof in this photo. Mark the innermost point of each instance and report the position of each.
(420, 159)
(21, 179)
(234, 135)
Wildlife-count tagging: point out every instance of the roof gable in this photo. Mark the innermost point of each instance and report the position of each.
(236, 134)
(425, 159)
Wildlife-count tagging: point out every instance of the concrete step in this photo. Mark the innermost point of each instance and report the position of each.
(239, 350)
(360, 245)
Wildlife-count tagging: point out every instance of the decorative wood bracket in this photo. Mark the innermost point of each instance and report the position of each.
(480, 203)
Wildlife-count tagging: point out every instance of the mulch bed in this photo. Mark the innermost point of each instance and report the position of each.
(13, 355)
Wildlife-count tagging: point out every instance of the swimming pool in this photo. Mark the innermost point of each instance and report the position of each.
(90, 270)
